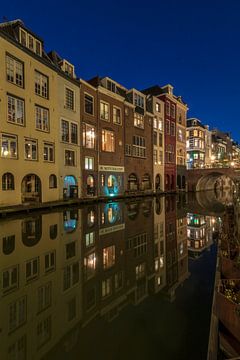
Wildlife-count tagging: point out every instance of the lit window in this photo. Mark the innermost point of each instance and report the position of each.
(30, 147)
(106, 287)
(89, 163)
(69, 158)
(88, 136)
(138, 120)
(108, 141)
(158, 107)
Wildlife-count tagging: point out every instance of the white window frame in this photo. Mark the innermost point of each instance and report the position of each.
(115, 117)
(75, 160)
(66, 88)
(10, 139)
(87, 161)
(40, 80)
(43, 122)
(13, 113)
(86, 93)
(30, 143)
(48, 146)
(103, 112)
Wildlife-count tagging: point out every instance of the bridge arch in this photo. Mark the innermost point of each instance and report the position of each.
(215, 181)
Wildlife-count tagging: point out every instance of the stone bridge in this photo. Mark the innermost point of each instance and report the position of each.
(205, 179)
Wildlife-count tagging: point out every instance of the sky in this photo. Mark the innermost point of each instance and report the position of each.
(193, 45)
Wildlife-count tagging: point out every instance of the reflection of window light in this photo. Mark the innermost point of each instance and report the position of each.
(181, 248)
(159, 280)
(156, 265)
(161, 261)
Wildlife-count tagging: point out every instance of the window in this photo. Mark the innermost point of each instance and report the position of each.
(69, 158)
(7, 181)
(69, 132)
(89, 239)
(140, 271)
(167, 108)
(10, 278)
(14, 71)
(139, 100)
(30, 149)
(32, 269)
(16, 111)
(89, 163)
(139, 148)
(48, 152)
(88, 104)
(88, 136)
(172, 129)
(44, 331)
(117, 116)
(50, 261)
(108, 257)
(138, 120)
(89, 265)
(18, 349)
(128, 150)
(108, 141)
(42, 118)
(180, 135)
(168, 127)
(155, 156)
(172, 110)
(158, 107)
(160, 159)
(9, 146)
(106, 287)
(53, 230)
(17, 313)
(70, 276)
(155, 123)
(111, 86)
(44, 295)
(68, 69)
(155, 138)
(104, 111)
(160, 139)
(118, 280)
(41, 84)
(30, 42)
(70, 250)
(69, 99)
(52, 181)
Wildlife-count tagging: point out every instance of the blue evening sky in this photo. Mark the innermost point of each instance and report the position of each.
(192, 44)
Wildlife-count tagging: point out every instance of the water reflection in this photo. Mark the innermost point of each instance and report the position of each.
(62, 271)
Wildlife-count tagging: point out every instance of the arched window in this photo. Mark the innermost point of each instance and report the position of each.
(52, 181)
(7, 181)
(8, 244)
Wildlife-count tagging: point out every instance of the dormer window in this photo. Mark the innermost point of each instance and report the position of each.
(30, 42)
(68, 69)
(111, 86)
(139, 100)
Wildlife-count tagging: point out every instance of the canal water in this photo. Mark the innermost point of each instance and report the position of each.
(117, 280)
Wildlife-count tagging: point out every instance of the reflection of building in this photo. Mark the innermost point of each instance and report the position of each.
(181, 113)
(199, 233)
(61, 270)
(182, 248)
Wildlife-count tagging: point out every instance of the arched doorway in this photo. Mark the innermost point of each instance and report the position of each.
(132, 182)
(90, 185)
(146, 182)
(179, 183)
(158, 182)
(70, 188)
(31, 188)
